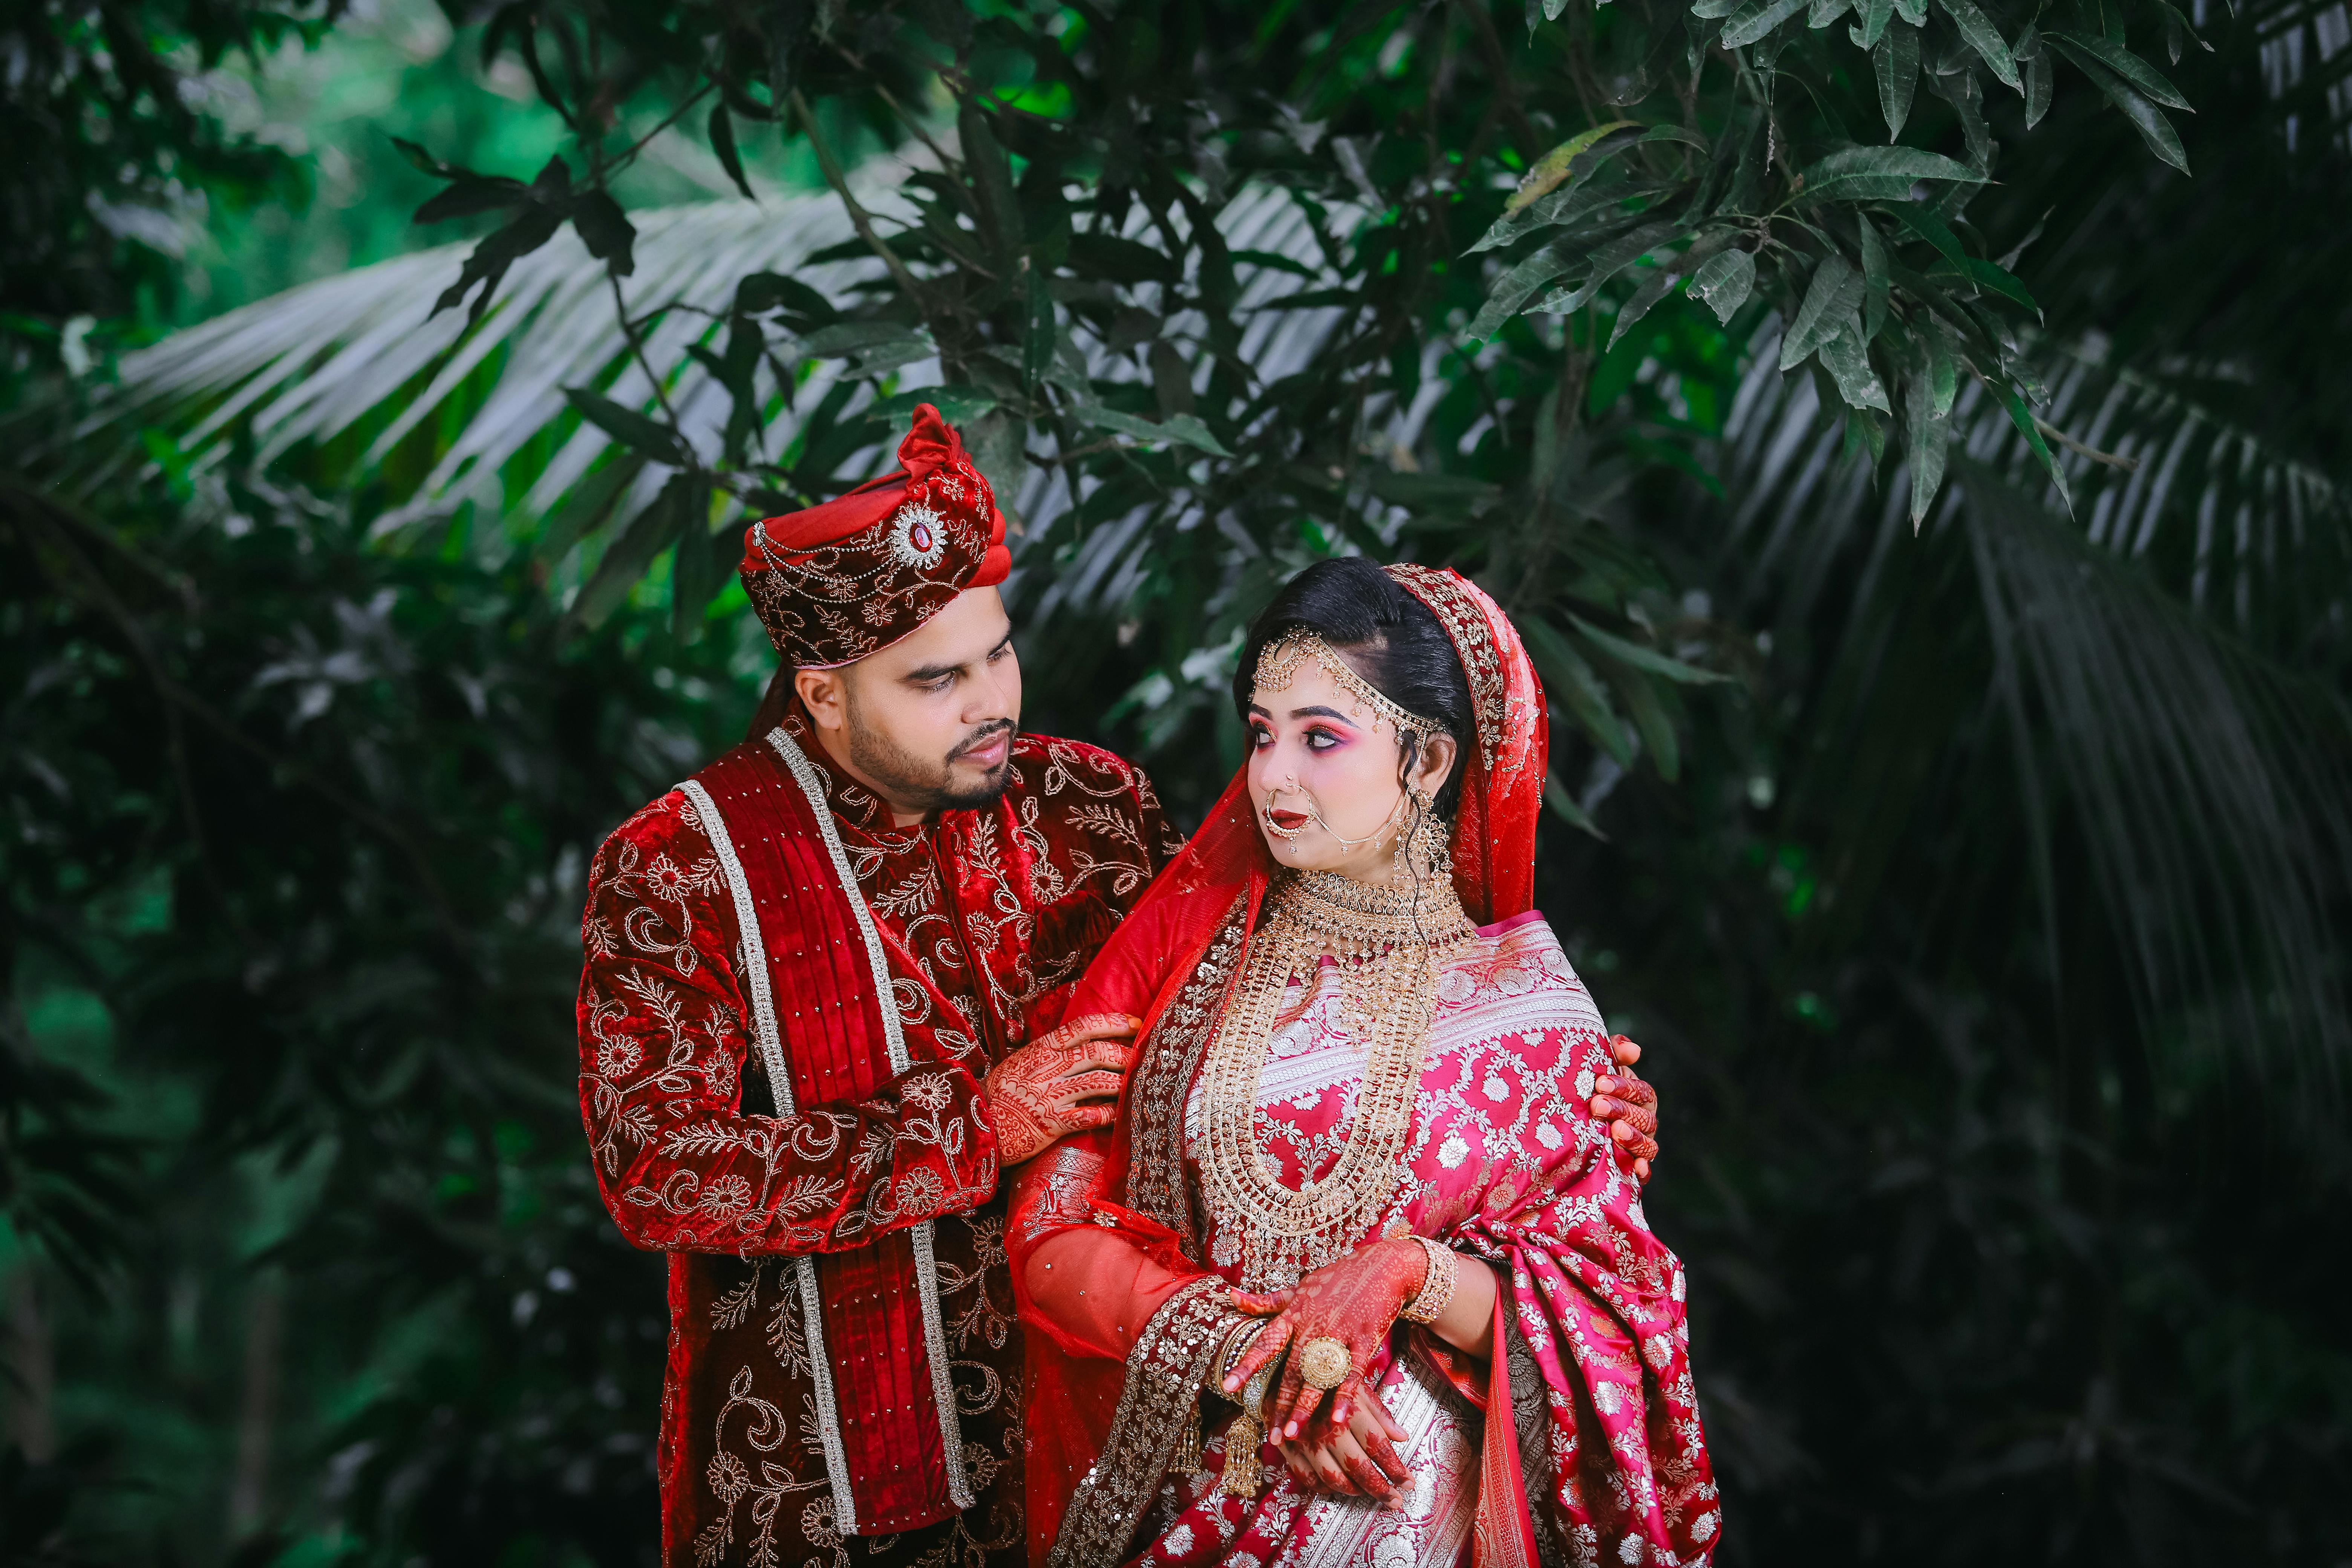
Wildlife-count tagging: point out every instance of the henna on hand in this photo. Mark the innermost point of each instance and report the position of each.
(1354, 1301)
(1041, 1092)
(1628, 1105)
(1363, 1453)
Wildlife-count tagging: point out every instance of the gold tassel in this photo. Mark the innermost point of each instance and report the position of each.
(1187, 1458)
(1242, 1438)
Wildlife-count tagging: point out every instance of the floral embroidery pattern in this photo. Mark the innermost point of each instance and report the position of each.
(665, 1040)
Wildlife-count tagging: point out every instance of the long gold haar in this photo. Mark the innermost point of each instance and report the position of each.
(1388, 943)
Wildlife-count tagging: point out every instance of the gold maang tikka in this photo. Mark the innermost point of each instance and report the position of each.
(1277, 666)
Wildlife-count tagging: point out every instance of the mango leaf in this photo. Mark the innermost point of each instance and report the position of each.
(1823, 11)
(1569, 680)
(1037, 332)
(606, 231)
(722, 145)
(1931, 433)
(700, 566)
(1646, 658)
(2036, 71)
(1725, 282)
(1943, 367)
(2001, 282)
(1569, 207)
(1984, 38)
(588, 507)
(1875, 279)
(2022, 417)
(1756, 18)
(1552, 168)
(1835, 290)
(1192, 431)
(1640, 698)
(1876, 15)
(1911, 11)
(763, 292)
(1556, 796)
(1514, 288)
(1922, 221)
(2142, 76)
(626, 558)
(2147, 119)
(1709, 10)
(956, 405)
(469, 196)
(1896, 61)
(1653, 289)
(1849, 363)
(1882, 173)
(1186, 429)
(629, 428)
(1611, 260)
(500, 249)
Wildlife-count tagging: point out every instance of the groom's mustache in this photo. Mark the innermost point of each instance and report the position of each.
(984, 735)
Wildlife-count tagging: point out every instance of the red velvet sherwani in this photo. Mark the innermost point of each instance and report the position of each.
(845, 1367)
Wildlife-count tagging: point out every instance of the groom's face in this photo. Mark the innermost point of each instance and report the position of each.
(926, 724)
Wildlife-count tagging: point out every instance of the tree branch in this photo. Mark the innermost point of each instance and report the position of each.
(858, 216)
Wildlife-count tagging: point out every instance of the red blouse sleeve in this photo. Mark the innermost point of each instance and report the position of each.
(663, 1040)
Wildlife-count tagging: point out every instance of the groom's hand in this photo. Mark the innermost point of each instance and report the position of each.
(1628, 1105)
(1064, 1082)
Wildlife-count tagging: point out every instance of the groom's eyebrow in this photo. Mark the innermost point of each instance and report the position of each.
(930, 672)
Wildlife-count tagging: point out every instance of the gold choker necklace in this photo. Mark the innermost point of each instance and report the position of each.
(1388, 943)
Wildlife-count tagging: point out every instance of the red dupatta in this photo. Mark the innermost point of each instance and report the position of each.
(1182, 945)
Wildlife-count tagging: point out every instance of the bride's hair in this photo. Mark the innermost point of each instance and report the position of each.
(1392, 639)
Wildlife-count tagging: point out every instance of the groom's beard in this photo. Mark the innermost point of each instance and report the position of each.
(918, 784)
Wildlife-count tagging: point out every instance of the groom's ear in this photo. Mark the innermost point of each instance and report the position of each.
(821, 692)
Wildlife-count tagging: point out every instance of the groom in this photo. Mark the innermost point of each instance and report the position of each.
(820, 1012)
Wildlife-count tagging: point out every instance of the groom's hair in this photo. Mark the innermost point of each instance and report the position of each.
(1390, 637)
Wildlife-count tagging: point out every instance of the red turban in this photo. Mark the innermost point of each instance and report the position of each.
(840, 581)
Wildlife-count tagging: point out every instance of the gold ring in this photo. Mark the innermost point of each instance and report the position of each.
(1324, 1363)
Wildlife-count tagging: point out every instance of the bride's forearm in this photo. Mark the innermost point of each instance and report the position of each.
(1096, 1289)
(1468, 1322)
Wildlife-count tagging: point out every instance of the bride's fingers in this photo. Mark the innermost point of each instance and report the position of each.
(1378, 1446)
(1253, 1305)
(1069, 1091)
(1293, 1400)
(1262, 1349)
(1294, 1459)
(1299, 1400)
(1363, 1475)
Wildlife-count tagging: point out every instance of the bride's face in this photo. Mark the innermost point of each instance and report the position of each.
(1323, 777)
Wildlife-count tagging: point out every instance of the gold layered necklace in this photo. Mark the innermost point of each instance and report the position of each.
(1388, 944)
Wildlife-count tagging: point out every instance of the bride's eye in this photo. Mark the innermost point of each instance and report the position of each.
(1261, 737)
(1320, 740)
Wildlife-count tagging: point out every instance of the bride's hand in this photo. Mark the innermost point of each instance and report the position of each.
(1064, 1083)
(1354, 1301)
(1630, 1106)
(1358, 1459)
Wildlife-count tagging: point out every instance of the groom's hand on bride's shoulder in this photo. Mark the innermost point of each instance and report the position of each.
(1064, 1083)
(1628, 1105)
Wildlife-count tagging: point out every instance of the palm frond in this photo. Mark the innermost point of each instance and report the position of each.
(2126, 657)
(350, 368)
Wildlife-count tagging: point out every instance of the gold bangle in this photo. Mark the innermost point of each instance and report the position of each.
(1238, 1339)
(1436, 1292)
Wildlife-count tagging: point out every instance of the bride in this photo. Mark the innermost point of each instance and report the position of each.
(1355, 1202)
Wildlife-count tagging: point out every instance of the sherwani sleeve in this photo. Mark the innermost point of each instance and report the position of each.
(663, 1041)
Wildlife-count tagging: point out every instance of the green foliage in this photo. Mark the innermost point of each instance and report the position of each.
(1971, 868)
(109, 168)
